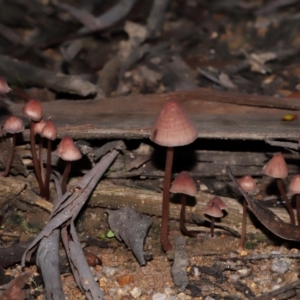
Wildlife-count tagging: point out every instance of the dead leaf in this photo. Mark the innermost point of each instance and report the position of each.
(130, 227)
(267, 217)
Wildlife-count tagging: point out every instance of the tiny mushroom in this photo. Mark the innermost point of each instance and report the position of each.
(294, 188)
(4, 88)
(67, 151)
(248, 184)
(184, 184)
(172, 128)
(33, 111)
(277, 168)
(49, 132)
(214, 210)
(12, 125)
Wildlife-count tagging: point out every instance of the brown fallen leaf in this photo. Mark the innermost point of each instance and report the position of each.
(267, 217)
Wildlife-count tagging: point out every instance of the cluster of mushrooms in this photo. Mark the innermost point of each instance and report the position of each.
(172, 128)
(47, 132)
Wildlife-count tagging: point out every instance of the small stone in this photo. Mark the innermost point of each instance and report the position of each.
(209, 298)
(159, 296)
(110, 272)
(125, 279)
(136, 292)
(232, 255)
(234, 277)
(168, 291)
(275, 287)
(243, 253)
(279, 266)
(244, 272)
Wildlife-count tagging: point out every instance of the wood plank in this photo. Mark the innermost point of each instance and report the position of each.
(132, 117)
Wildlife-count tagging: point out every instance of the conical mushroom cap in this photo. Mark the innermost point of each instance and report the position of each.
(13, 125)
(247, 183)
(184, 184)
(213, 210)
(294, 186)
(33, 110)
(49, 131)
(173, 127)
(39, 126)
(67, 149)
(276, 167)
(222, 205)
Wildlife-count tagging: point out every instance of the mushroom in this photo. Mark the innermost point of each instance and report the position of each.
(294, 188)
(67, 151)
(214, 209)
(172, 128)
(277, 168)
(4, 88)
(33, 111)
(12, 125)
(49, 132)
(184, 184)
(248, 184)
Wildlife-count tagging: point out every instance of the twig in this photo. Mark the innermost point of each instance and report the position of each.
(270, 295)
(31, 75)
(64, 214)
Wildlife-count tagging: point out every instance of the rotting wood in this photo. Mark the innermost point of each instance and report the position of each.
(108, 195)
(132, 117)
(10, 188)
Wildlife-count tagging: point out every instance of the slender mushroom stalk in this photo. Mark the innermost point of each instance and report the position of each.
(12, 125)
(184, 184)
(172, 128)
(277, 168)
(67, 151)
(33, 111)
(214, 211)
(50, 133)
(38, 127)
(248, 184)
(294, 188)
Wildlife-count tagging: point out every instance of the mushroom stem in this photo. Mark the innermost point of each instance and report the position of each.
(65, 176)
(243, 232)
(48, 170)
(41, 159)
(35, 160)
(182, 219)
(212, 227)
(298, 208)
(10, 158)
(166, 200)
(284, 196)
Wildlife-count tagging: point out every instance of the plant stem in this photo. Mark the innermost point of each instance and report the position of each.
(288, 204)
(182, 219)
(166, 201)
(41, 159)
(243, 233)
(35, 160)
(10, 158)
(65, 177)
(48, 170)
(212, 227)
